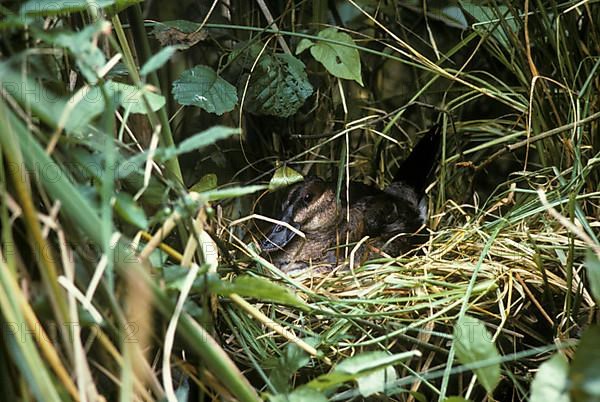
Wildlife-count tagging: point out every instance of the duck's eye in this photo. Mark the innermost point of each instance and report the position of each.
(307, 197)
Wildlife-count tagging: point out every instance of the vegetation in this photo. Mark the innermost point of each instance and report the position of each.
(142, 145)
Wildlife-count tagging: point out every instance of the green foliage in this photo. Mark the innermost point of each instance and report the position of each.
(340, 60)
(301, 394)
(551, 381)
(262, 289)
(474, 344)
(584, 374)
(205, 138)
(158, 60)
(292, 359)
(201, 86)
(129, 97)
(592, 265)
(127, 208)
(491, 20)
(372, 371)
(376, 381)
(283, 177)
(279, 87)
(51, 8)
(207, 182)
(97, 157)
(81, 45)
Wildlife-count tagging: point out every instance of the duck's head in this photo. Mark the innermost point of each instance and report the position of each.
(309, 207)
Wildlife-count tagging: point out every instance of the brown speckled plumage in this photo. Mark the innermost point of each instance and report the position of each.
(389, 217)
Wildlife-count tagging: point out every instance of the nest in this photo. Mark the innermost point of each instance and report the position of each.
(515, 277)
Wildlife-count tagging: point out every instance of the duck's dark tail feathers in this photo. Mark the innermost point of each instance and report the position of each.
(417, 169)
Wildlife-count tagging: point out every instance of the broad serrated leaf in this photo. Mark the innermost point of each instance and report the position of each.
(592, 266)
(261, 289)
(283, 177)
(584, 373)
(302, 394)
(158, 60)
(280, 87)
(341, 61)
(201, 86)
(205, 138)
(473, 344)
(551, 380)
(207, 182)
(127, 208)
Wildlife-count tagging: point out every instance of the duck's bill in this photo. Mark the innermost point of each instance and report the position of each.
(278, 238)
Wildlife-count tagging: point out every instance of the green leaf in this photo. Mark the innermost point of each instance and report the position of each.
(127, 208)
(283, 177)
(45, 8)
(261, 289)
(301, 394)
(454, 15)
(131, 97)
(292, 359)
(592, 265)
(585, 368)
(121, 5)
(207, 182)
(371, 370)
(377, 381)
(127, 96)
(551, 381)
(205, 138)
(341, 61)
(369, 361)
(458, 399)
(231, 192)
(330, 380)
(201, 86)
(174, 277)
(158, 60)
(419, 397)
(193, 143)
(487, 20)
(83, 46)
(279, 88)
(303, 45)
(473, 344)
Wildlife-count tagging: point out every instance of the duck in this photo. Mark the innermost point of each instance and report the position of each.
(313, 226)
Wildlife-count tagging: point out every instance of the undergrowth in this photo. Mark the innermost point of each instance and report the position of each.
(143, 147)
